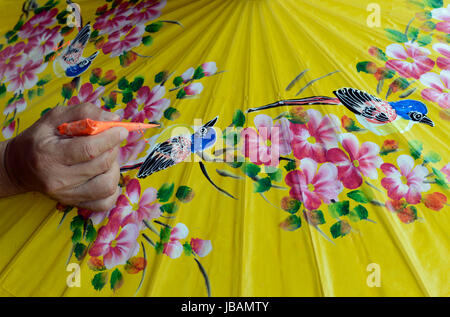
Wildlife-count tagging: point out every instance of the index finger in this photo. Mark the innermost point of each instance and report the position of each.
(86, 148)
(62, 114)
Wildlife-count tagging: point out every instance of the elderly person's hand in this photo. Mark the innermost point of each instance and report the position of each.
(79, 171)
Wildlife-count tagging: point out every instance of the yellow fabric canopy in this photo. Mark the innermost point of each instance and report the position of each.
(276, 238)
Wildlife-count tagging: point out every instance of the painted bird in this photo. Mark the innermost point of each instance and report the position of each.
(176, 149)
(371, 111)
(71, 60)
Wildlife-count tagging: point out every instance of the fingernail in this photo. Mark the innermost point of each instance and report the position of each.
(109, 116)
(123, 133)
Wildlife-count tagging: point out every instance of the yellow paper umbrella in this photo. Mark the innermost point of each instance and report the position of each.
(312, 161)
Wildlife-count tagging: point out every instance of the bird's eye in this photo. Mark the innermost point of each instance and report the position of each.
(203, 131)
(416, 116)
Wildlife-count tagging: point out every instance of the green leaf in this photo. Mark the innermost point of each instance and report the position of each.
(181, 94)
(170, 208)
(184, 194)
(366, 67)
(262, 185)
(91, 233)
(123, 83)
(40, 91)
(99, 280)
(154, 27)
(361, 211)
(165, 192)
(198, 73)
(137, 83)
(159, 247)
(359, 196)
(164, 234)
(77, 235)
(441, 180)
(231, 138)
(147, 40)
(435, 3)
(116, 280)
(127, 96)
(396, 36)
(290, 166)
(339, 208)
(276, 176)
(290, 205)
(415, 148)
(413, 33)
(77, 223)
(187, 249)
(2, 90)
(250, 169)
(177, 81)
(45, 111)
(340, 229)
(18, 25)
(171, 113)
(291, 223)
(238, 119)
(160, 77)
(314, 217)
(432, 157)
(424, 40)
(80, 251)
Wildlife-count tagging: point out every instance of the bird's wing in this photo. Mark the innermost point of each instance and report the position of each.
(362, 103)
(74, 51)
(165, 155)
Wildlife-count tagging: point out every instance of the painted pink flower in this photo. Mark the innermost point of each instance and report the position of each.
(11, 57)
(130, 151)
(359, 161)
(439, 86)
(97, 217)
(407, 183)
(43, 43)
(148, 104)
(123, 40)
(262, 146)
(25, 76)
(113, 19)
(410, 60)
(87, 94)
(134, 207)
(16, 106)
(201, 247)
(444, 49)
(37, 24)
(115, 247)
(193, 89)
(146, 11)
(442, 14)
(446, 171)
(209, 68)
(312, 186)
(173, 249)
(179, 232)
(8, 130)
(315, 137)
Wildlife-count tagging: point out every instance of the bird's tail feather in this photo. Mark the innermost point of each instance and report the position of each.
(130, 167)
(316, 100)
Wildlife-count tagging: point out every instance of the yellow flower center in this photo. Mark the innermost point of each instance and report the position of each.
(404, 180)
(355, 163)
(311, 187)
(113, 244)
(410, 60)
(269, 143)
(311, 140)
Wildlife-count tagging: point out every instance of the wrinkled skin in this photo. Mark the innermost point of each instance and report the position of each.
(79, 171)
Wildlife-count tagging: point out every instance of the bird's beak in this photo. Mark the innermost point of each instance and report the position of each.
(427, 120)
(211, 123)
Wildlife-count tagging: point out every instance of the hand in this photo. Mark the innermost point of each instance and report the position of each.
(79, 171)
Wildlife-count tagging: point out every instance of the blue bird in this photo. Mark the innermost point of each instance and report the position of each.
(71, 59)
(176, 149)
(371, 111)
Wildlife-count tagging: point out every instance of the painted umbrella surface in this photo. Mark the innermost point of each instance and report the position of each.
(302, 147)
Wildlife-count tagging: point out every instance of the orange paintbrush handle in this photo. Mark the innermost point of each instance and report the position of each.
(91, 127)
